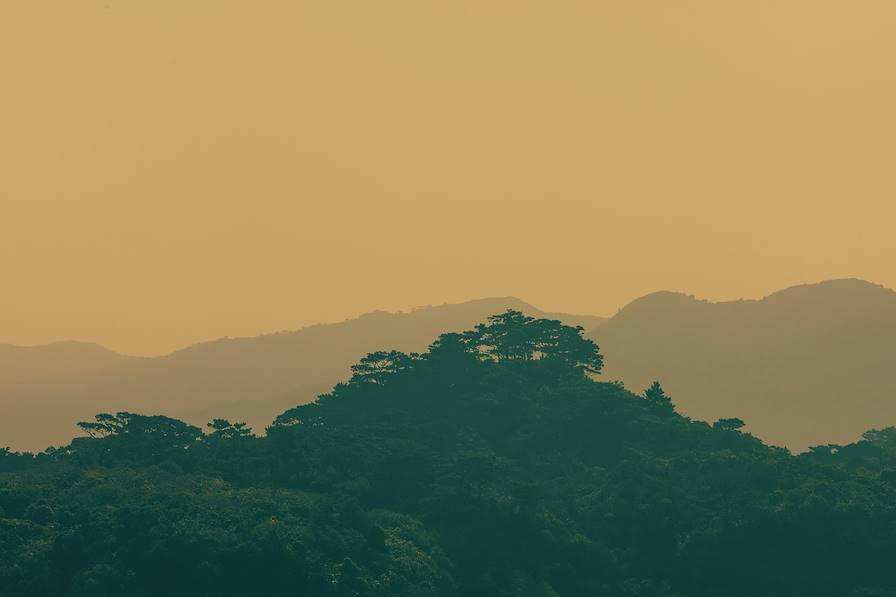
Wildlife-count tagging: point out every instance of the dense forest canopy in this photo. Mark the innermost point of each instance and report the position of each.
(494, 463)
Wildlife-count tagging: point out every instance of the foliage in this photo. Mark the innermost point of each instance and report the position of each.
(732, 424)
(658, 400)
(494, 464)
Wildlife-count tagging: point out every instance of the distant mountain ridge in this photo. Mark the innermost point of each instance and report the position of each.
(806, 365)
(45, 390)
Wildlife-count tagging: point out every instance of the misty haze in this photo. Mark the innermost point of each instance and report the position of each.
(466, 299)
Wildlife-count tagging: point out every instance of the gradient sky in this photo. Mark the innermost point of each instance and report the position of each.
(177, 171)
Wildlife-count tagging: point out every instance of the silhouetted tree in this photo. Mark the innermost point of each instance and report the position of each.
(658, 400)
(224, 429)
(506, 337)
(378, 367)
(514, 337)
(106, 424)
(565, 346)
(138, 437)
(732, 424)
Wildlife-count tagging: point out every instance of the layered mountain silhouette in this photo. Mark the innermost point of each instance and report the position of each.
(805, 366)
(45, 390)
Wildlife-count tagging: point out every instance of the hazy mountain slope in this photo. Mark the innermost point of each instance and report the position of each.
(45, 390)
(807, 365)
(57, 363)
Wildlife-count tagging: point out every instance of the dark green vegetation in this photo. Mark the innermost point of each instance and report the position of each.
(243, 379)
(493, 464)
(803, 366)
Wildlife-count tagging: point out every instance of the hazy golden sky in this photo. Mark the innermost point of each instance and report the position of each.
(172, 171)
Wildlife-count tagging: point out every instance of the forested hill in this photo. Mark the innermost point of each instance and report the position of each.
(45, 390)
(493, 464)
(806, 365)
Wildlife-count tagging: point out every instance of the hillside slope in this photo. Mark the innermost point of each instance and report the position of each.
(45, 390)
(807, 365)
(804, 366)
(490, 466)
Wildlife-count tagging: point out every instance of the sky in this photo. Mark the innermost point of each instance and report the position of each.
(172, 172)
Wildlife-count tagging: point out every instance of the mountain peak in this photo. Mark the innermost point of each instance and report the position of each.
(805, 365)
(662, 303)
(64, 347)
(836, 289)
(845, 291)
